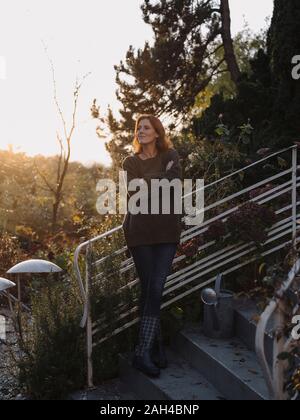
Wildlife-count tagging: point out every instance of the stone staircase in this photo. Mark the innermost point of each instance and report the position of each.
(201, 368)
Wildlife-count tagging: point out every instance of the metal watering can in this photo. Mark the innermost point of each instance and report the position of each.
(218, 311)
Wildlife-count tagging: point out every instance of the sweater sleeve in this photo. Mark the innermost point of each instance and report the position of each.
(175, 172)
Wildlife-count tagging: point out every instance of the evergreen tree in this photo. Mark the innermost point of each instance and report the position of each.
(269, 96)
(283, 45)
(181, 63)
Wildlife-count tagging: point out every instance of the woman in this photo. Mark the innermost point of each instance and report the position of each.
(152, 239)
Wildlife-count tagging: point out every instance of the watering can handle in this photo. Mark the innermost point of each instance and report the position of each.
(218, 285)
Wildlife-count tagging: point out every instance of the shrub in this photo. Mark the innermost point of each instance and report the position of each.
(10, 252)
(51, 353)
(215, 231)
(249, 223)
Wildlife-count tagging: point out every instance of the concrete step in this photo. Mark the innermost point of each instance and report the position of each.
(246, 318)
(179, 381)
(227, 364)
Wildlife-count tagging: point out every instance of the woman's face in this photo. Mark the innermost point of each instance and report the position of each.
(146, 132)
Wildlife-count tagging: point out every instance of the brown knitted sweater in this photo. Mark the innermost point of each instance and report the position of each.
(147, 229)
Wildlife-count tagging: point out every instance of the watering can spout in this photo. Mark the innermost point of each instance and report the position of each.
(218, 285)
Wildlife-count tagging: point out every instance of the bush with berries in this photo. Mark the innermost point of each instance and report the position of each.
(190, 248)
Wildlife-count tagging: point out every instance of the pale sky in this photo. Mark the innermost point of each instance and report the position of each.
(82, 37)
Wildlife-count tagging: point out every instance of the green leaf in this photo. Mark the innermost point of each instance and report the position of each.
(284, 356)
(177, 312)
(242, 176)
(282, 163)
(246, 140)
(261, 267)
(219, 131)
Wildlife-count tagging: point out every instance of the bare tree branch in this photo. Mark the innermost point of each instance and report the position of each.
(65, 151)
(43, 176)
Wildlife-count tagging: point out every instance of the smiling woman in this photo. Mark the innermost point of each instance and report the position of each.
(152, 238)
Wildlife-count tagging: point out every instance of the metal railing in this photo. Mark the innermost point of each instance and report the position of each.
(193, 277)
(275, 309)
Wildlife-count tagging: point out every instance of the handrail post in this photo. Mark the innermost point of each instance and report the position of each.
(294, 194)
(89, 333)
(278, 347)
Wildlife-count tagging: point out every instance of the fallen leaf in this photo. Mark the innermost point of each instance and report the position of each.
(255, 318)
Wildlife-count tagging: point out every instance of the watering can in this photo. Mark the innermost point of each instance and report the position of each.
(218, 311)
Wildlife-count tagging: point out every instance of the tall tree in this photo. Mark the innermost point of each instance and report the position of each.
(230, 56)
(283, 45)
(181, 63)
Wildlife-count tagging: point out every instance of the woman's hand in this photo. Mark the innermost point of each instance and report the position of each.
(169, 165)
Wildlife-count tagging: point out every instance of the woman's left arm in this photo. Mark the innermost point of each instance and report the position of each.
(173, 169)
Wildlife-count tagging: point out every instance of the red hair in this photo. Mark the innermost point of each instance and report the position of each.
(163, 143)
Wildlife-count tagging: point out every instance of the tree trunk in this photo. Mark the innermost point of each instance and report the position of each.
(55, 213)
(230, 57)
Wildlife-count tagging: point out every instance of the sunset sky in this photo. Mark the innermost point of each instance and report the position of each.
(81, 37)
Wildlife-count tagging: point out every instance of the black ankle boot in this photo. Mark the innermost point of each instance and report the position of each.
(145, 364)
(159, 356)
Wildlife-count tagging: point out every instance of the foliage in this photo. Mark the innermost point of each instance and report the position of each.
(208, 158)
(51, 348)
(283, 44)
(190, 250)
(245, 108)
(20, 185)
(247, 224)
(246, 46)
(292, 384)
(10, 252)
(267, 94)
(289, 305)
(250, 223)
(169, 74)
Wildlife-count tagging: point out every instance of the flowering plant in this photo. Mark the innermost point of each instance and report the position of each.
(190, 248)
(247, 224)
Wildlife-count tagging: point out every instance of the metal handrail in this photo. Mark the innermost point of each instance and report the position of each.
(273, 382)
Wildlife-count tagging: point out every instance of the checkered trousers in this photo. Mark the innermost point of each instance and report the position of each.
(149, 327)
